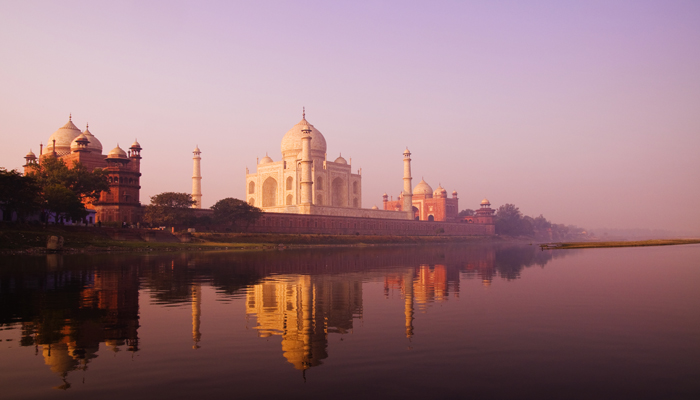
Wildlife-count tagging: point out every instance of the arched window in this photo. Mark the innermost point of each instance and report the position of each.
(355, 202)
(269, 192)
(251, 201)
(319, 200)
(354, 188)
(289, 197)
(251, 187)
(290, 183)
(431, 218)
(319, 183)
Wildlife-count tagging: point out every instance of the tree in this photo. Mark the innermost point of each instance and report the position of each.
(66, 191)
(466, 213)
(234, 212)
(170, 208)
(19, 193)
(508, 218)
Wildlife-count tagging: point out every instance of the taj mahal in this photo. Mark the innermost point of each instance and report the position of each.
(304, 181)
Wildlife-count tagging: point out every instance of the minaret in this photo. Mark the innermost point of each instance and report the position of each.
(197, 179)
(407, 191)
(306, 179)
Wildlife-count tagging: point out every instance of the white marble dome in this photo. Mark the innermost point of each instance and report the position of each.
(266, 160)
(291, 142)
(341, 160)
(440, 192)
(74, 144)
(117, 152)
(423, 188)
(485, 202)
(94, 146)
(64, 136)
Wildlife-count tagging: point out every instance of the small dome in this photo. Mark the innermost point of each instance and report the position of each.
(136, 145)
(375, 208)
(74, 145)
(94, 145)
(117, 152)
(266, 160)
(341, 160)
(63, 137)
(440, 191)
(406, 152)
(485, 202)
(423, 188)
(30, 155)
(291, 142)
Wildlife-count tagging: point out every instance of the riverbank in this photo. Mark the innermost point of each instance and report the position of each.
(639, 243)
(32, 239)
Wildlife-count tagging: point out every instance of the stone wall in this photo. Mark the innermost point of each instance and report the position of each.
(339, 225)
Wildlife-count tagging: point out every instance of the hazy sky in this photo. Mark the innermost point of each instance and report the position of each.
(587, 112)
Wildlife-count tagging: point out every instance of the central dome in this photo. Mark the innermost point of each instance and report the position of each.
(422, 188)
(63, 137)
(291, 142)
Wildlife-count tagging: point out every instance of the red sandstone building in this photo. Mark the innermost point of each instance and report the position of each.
(428, 205)
(119, 204)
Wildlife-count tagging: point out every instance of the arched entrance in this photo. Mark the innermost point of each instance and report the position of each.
(340, 193)
(269, 192)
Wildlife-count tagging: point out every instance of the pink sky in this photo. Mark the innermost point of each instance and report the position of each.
(586, 112)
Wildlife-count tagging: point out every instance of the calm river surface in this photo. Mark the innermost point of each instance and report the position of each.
(469, 321)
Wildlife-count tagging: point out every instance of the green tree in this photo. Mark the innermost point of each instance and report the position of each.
(80, 187)
(170, 208)
(63, 203)
(466, 213)
(234, 212)
(19, 193)
(508, 219)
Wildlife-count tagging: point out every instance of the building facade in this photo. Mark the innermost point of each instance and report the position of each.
(121, 203)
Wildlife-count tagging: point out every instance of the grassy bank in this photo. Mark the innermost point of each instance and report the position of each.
(640, 243)
(18, 239)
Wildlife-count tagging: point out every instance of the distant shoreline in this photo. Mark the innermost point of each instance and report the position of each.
(637, 243)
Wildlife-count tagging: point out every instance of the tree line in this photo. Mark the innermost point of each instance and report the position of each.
(51, 188)
(54, 189)
(175, 209)
(511, 221)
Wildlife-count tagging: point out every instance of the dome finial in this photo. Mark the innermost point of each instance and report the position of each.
(70, 117)
(87, 125)
(303, 113)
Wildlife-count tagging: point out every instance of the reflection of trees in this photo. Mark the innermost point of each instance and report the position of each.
(68, 306)
(68, 312)
(510, 261)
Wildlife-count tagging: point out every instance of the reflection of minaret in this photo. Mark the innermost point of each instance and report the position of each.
(197, 179)
(196, 314)
(408, 302)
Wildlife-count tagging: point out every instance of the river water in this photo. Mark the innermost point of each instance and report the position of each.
(467, 321)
